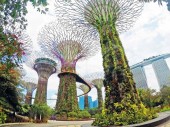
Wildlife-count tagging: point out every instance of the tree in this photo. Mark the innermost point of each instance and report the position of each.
(9, 98)
(12, 14)
(14, 11)
(45, 66)
(165, 95)
(150, 97)
(97, 80)
(68, 43)
(40, 112)
(108, 18)
(29, 84)
(85, 89)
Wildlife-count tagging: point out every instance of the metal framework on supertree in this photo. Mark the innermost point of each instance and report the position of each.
(30, 84)
(45, 67)
(109, 17)
(68, 43)
(97, 80)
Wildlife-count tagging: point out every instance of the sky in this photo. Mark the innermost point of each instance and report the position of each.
(150, 36)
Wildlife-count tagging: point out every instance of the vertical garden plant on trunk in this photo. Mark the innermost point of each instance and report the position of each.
(109, 17)
(68, 43)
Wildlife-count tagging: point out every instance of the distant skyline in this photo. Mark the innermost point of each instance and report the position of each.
(148, 37)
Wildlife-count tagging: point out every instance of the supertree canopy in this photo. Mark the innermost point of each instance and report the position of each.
(45, 67)
(30, 84)
(68, 43)
(109, 17)
(97, 81)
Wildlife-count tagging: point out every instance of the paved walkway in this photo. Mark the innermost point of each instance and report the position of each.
(167, 124)
(50, 124)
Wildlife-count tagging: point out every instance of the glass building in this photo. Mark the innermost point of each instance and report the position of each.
(162, 72)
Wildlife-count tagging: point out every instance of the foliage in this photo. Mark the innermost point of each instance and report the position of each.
(25, 109)
(67, 95)
(83, 114)
(11, 52)
(125, 113)
(9, 97)
(79, 115)
(14, 11)
(166, 108)
(72, 116)
(94, 111)
(116, 69)
(40, 112)
(3, 117)
(165, 95)
(150, 98)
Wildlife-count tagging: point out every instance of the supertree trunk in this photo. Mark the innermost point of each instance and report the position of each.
(45, 68)
(86, 102)
(118, 78)
(28, 98)
(100, 98)
(41, 94)
(67, 94)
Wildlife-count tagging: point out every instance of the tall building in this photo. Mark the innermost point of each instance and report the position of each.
(95, 104)
(140, 77)
(162, 72)
(160, 67)
(81, 102)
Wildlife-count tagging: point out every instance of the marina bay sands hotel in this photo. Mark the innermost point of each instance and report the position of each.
(160, 68)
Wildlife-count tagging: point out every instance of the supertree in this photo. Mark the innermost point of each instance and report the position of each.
(84, 88)
(108, 17)
(97, 81)
(45, 67)
(30, 84)
(68, 43)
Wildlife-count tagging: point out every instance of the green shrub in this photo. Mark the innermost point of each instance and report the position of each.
(41, 112)
(93, 111)
(166, 108)
(83, 114)
(3, 117)
(72, 116)
(125, 114)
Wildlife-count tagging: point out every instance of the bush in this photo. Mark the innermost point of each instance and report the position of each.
(83, 114)
(166, 108)
(3, 117)
(40, 112)
(125, 114)
(72, 116)
(94, 111)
